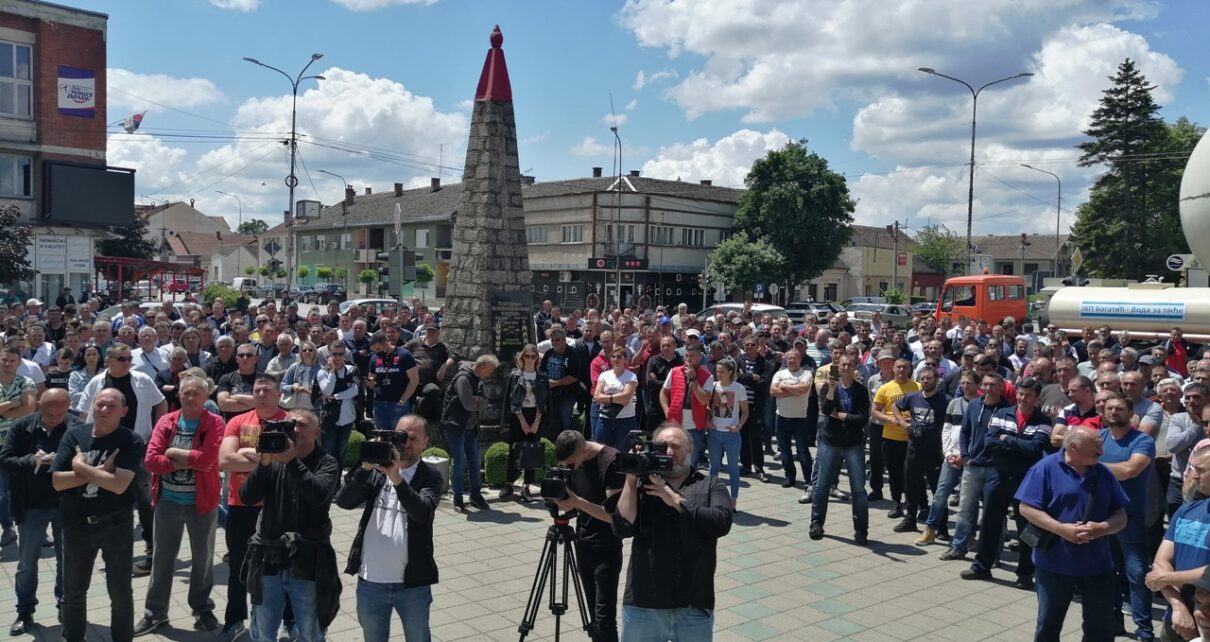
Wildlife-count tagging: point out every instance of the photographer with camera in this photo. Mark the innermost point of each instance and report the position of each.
(392, 554)
(675, 518)
(238, 456)
(291, 554)
(593, 481)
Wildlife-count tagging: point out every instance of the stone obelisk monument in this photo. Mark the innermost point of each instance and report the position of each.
(488, 301)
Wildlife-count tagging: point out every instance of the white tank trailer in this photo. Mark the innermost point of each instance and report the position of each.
(1150, 310)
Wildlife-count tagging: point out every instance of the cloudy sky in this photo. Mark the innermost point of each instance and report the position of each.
(698, 89)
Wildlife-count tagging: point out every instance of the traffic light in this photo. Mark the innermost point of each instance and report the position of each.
(408, 265)
(1074, 280)
(384, 270)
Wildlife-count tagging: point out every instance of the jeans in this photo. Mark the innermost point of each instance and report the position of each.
(700, 437)
(81, 543)
(335, 441)
(592, 420)
(1130, 554)
(769, 423)
(973, 478)
(376, 601)
(939, 511)
(241, 526)
(752, 448)
(388, 413)
(726, 441)
(561, 407)
(830, 457)
(677, 625)
(813, 432)
(267, 616)
(895, 453)
(873, 433)
(142, 485)
(612, 432)
(1055, 592)
(6, 516)
(797, 429)
(172, 520)
(599, 568)
(998, 494)
(31, 534)
(464, 450)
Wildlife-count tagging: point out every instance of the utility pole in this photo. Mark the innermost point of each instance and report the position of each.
(1024, 243)
(893, 230)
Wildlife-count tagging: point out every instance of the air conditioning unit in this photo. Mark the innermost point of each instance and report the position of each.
(331, 245)
(565, 277)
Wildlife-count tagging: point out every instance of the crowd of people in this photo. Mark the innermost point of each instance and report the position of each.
(1094, 445)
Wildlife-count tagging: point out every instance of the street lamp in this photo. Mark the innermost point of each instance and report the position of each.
(1058, 201)
(291, 179)
(970, 194)
(344, 213)
(239, 252)
(617, 216)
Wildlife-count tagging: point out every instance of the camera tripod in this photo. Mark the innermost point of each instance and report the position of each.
(560, 532)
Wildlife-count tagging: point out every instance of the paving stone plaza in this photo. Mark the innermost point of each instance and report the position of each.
(772, 583)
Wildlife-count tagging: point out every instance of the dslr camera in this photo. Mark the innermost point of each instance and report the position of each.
(642, 457)
(380, 449)
(554, 485)
(275, 436)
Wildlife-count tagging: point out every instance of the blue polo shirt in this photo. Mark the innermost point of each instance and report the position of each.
(1189, 532)
(1120, 450)
(1056, 488)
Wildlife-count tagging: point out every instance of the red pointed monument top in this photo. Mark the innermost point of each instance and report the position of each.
(493, 82)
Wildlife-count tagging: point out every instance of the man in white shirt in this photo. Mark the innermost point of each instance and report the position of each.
(791, 388)
(41, 351)
(932, 349)
(149, 358)
(392, 554)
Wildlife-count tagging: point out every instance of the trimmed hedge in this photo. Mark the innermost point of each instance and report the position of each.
(495, 463)
(435, 452)
(353, 452)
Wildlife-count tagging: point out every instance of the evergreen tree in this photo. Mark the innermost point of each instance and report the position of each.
(131, 242)
(14, 248)
(1131, 221)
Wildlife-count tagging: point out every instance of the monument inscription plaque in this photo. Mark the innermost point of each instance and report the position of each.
(513, 325)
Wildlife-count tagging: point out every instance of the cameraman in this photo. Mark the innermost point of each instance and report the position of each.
(594, 481)
(392, 554)
(675, 520)
(290, 554)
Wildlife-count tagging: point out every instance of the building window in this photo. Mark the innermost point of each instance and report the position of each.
(661, 235)
(422, 239)
(535, 234)
(16, 87)
(693, 237)
(573, 233)
(15, 178)
(723, 235)
(625, 235)
(306, 243)
(346, 241)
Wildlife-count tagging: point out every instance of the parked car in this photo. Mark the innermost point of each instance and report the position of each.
(861, 299)
(147, 308)
(243, 283)
(796, 309)
(927, 307)
(325, 293)
(372, 306)
(757, 308)
(897, 315)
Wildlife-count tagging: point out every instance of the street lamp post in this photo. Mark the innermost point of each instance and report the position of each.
(344, 213)
(239, 251)
(970, 194)
(617, 228)
(1058, 207)
(291, 179)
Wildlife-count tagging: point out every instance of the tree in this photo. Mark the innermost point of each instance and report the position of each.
(424, 274)
(131, 242)
(739, 263)
(14, 247)
(323, 273)
(263, 270)
(1134, 203)
(303, 271)
(249, 270)
(939, 248)
(253, 227)
(800, 208)
(367, 276)
(341, 273)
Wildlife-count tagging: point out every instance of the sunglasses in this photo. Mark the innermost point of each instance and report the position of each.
(241, 355)
(336, 354)
(121, 359)
(308, 350)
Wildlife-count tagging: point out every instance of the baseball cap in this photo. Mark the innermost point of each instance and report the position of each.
(885, 354)
(33, 302)
(1149, 360)
(664, 321)
(800, 342)
(693, 332)
(432, 327)
(970, 350)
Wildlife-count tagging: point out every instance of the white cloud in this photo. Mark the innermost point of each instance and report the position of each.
(726, 161)
(614, 120)
(632, 104)
(371, 5)
(778, 59)
(373, 131)
(135, 91)
(466, 105)
(590, 147)
(536, 138)
(156, 164)
(643, 78)
(237, 5)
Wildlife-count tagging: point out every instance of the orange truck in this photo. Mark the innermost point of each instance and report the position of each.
(986, 297)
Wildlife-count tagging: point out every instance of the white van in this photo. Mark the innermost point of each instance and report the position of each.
(243, 284)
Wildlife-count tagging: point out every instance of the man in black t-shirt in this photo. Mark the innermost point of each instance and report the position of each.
(922, 415)
(394, 375)
(594, 483)
(235, 388)
(93, 470)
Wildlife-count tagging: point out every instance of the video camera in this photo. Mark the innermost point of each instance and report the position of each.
(382, 446)
(650, 456)
(554, 485)
(275, 436)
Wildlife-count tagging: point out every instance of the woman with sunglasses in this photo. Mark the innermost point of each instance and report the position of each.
(614, 395)
(526, 392)
(338, 383)
(299, 378)
(91, 365)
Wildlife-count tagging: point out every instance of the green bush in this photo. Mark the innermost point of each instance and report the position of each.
(495, 463)
(353, 452)
(435, 452)
(220, 291)
(549, 448)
